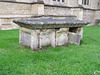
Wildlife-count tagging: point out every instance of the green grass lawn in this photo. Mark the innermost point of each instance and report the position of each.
(72, 60)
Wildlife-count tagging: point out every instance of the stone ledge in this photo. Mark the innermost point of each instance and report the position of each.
(30, 2)
(33, 16)
(54, 16)
(15, 16)
(49, 23)
(72, 7)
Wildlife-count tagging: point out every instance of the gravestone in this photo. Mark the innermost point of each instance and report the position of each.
(37, 33)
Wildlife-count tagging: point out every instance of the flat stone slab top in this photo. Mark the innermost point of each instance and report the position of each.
(49, 23)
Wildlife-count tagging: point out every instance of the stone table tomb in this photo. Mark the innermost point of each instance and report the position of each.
(37, 33)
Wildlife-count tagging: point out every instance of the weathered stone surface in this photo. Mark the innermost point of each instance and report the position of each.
(78, 30)
(50, 10)
(37, 9)
(25, 37)
(74, 38)
(14, 9)
(69, 17)
(47, 37)
(35, 39)
(49, 23)
(44, 37)
(88, 15)
(38, 38)
(96, 20)
(62, 36)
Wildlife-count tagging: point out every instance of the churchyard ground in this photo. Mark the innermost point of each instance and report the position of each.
(71, 60)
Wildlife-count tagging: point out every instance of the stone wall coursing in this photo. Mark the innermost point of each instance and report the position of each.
(99, 5)
(51, 2)
(96, 19)
(94, 4)
(56, 11)
(48, 1)
(7, 23)
(14, 8)
(97, 15)
(85, 14)
(88, 15)
(10, 11)
(77, 12)
(72, 3)
(37, 9)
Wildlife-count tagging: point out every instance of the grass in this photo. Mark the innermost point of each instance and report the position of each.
(72, 60)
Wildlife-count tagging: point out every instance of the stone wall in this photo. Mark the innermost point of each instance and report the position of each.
(73, 3)
(51, 2)
(94, 4)
(13, 10)
(20, 9)
(88, 15)
(97, 15)
(77, 12)
(85, 14)
(99, 5)
(7, 8)
(53, 10)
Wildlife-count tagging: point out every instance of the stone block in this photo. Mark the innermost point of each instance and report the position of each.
(50, 10)
(25, 37)
(74, 38)
(80, 32)
(47, 37)
(9, 8)
(37, 9)
(61, 36)
(44, 37)
(35, 39)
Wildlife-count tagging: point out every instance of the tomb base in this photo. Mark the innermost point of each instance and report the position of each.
(40, 33)
(39, 38)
